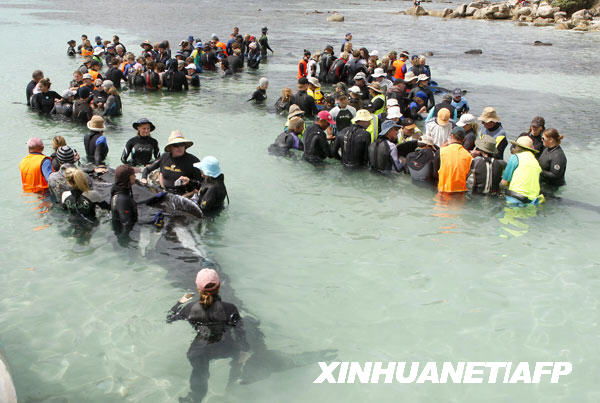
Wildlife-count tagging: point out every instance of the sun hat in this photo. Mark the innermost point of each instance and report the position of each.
(524, 142)
(177, 138)
(409, 76)
(68, 94)
(427, 139)
(374, 52)
(457, 92)
(110, 46)
(376, 87)
(191, 66)
(314, 81)
(443, 116)
(466, 119)
(294, 111)
(209, 166)
(207, 280)
(98, 51)
(35, 143)
(489, 115)
(387, 126)
(354, 89)
(394, 113)
(198, 45)
(87, 76)
(378, 73)
(408, 123)
(65, 154)
(392, 102)
(326, 116)
(422, 77)
(107, 84)
(487, 144)
(360, 76)
(363, 115)
(143, 121)
(96, 124)
(98, 82)
(180, 63)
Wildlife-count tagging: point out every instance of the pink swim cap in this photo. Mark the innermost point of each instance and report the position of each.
(207, 280)
(35, 142)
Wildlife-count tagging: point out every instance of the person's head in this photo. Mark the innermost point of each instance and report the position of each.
(342, 100)
(457, 94)
(209, 167)
(295, 111)
(263, 83)
(58, 141)
(110, 48)
(87, 79)
(124, 176)
(404, 55)
(389, 130)
(360, 79)
(375, 89)
(363, 118)
(345, 55)
(37, 75)
(115, 39)
(84, 93)
(286, 94)
(84, 38)
(443, 117)
(364, 53)
(422, 80)
(410, 78)
(143, 127)
(207, 284)
(419, 101)
(180, 64)
(296, 125)
(422, 60)
(120, 49)
(177, 144)
(348, 48)
(486, 145)
(302, 83)
(446, 98)
(522, 144)
(191, 69)
(95, 65)
(354, 92)
(264, 30)
(551, 138)
(457, 135)
(77, 75)
(236, 31)
(96, 124)
(348, 36)
(65, 155)
(77, 179)
(408, 127)
(329, 101)
(489, 118)
(107, 85)
(341, 87)
(328, 49)
(313, 83)
(324, 119)
(35, 145)
(468, 122)
(393, 55)
(87, 43)
(44, 84)
(306, 54)
(98, 84)
(538, 125)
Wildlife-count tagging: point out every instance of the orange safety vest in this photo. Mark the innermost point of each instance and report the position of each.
(85, 52)
(398, 65)
(31, 173)
(94, 74)
(222, 46)
(455, 163)
(302, 68)
(122, 66)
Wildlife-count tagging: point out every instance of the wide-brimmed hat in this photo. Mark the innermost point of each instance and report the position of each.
(376, 87)
(363, 115)
(378, 73)
(96, 124)
(428, 140)
(489, 115)
(360, 76)
(374, 52)
(209, 166)
(409, 76)
(443, 116)
(355, 89)
(524, 142)
(466, 119)
(87, 76)
(422, 77)
(392, 102)
(98, 51)
(387, 126)
(294, 111)
(314, 81)
(487, 144)
(394, 113)
(143, 121)
(146, 43)
(177, 138)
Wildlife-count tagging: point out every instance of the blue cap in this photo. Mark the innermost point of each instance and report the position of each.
(349, 33)
(199, 44)
(97, 39)
(209, 166)
(422, 95)
(387, 126)
(191, 39)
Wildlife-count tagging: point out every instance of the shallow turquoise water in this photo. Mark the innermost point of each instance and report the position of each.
(325, 259)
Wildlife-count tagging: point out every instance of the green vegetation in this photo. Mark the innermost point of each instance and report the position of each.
(570, 6)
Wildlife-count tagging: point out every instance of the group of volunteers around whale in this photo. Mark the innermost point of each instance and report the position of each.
(369, 121)
(107, 66)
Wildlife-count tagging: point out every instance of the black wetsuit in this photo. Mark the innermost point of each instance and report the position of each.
(316, 146)
(65, 109)
(220, 334)
(325, 63)
(141, 148)
(123, 209)
(353, 67)
(172, 168)
(96, 148)
(554, 164)
(115, 75)
(152, 80)
(99, 96)
(213, 192)
(420, 164)
(343, 119)
(209, 60)
(446, 105)
(282, 106)
(264, 46)
(254, 57)
(469, 142)
(285, 142)
(364, 93)
(29, 91)
(353, 142)
(306, 103)
(180, 81)
(83, 204)
(430, 101)
(82, 112)
(485, 175)
(259, 95)
(538, 143)
(379, 155)
(235, 63)
(43, 102)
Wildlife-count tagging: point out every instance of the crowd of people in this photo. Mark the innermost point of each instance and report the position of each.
(369, 120)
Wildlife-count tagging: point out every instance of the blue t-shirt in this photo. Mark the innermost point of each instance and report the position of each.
(513, 163)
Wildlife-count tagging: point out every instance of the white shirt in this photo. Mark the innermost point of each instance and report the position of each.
(440, 134)
(312, 64)
(334, 111)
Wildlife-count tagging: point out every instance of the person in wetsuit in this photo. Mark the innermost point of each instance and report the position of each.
(289, 139)
(35, 79)
(537, 127)
(219, 327)
(316, 145)
(383, 152)
(420, 161)
(177, 172)
(254, 56)
(553, 160)
(82, 111)
(96, 148)
(353, 142)
(43, 102)
(263, 41)
(141, 147)
(260, 95)
(303, 100)
(65, 106)
(81, 200)
(212, 193)
(123, 207)
(486, 171)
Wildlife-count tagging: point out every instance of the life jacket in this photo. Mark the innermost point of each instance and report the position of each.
(383, 108)
(526, 177)
(224, 47)
(455, 163)
(85, 52)
(398, 64)
(302, 68)
(317, 95)
(94, 74)
(373, 128)
(122, 66)
(31, 173)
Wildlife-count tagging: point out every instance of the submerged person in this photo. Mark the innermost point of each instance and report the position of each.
(177, 172)
(486, 171)
(212, 193)
(36, 76)
(96, 147)
(141, 147)
(220, 333)
(260, 95)
(282, 105)
(289, 139)
(35, 167)
(43, 102)
(123, 207)
(522, 174)
(81, 200)
(553, 160)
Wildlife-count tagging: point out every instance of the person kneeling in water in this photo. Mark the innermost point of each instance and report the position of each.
(212, 193)
(289, 139)
(219, 328)
(81, 200)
